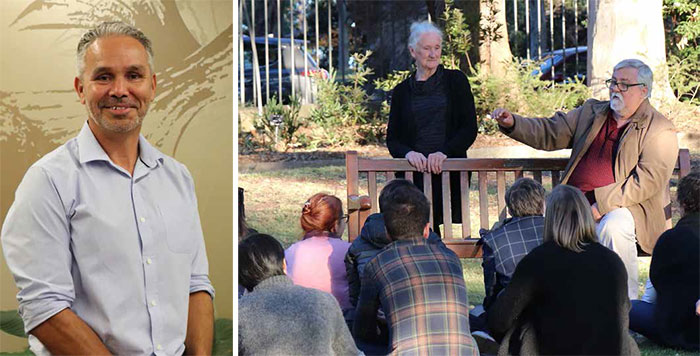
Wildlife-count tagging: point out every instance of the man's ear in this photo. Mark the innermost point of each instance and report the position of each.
(153, 85)
(426, 230)
(78, 85)
(284, 265)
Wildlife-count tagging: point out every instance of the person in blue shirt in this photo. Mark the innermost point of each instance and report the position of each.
(103, 238)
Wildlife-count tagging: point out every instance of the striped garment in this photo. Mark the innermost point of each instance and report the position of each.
(421, 288)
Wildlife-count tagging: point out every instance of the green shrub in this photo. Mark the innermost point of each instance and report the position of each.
(523, 93)
(342, 113)
(682, 23)
(279, 122)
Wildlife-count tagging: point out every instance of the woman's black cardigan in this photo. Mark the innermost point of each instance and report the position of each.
(460, 125)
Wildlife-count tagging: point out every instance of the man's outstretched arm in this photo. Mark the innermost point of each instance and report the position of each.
(66, 334)
(200, 324)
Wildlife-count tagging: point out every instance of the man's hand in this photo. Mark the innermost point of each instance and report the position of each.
(596, 212)
(503, 117)
(435, 160)
(417, 160)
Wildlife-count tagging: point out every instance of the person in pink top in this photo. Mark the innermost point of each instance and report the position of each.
(317, 261)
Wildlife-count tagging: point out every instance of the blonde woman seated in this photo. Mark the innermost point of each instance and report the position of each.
(569, 295)
(317, 261)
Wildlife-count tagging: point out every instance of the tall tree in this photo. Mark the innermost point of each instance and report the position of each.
(621, 29)
(494, 49)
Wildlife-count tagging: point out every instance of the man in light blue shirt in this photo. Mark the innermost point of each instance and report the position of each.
(104, 238)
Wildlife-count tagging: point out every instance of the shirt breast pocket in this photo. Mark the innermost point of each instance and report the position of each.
(181, 227)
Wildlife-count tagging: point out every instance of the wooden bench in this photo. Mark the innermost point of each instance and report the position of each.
(361, 206)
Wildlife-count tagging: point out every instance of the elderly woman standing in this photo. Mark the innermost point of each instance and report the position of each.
(432, 116)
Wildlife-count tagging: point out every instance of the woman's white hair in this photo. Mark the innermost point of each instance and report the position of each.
(420, 28)
(644, 73)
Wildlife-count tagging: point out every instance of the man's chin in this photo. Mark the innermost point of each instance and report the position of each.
(119, 124)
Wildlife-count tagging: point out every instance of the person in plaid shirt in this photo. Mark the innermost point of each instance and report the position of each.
(419, 284)
(510, 240)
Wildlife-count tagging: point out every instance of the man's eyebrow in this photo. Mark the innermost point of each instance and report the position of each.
(136, 67)
(100, 70)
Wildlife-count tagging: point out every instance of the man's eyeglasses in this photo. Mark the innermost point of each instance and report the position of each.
(620, 86)
(345, 218)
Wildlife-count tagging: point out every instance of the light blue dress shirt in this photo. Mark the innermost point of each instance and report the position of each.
(123, 252)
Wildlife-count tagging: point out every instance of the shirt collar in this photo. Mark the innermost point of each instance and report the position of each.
(90, 150)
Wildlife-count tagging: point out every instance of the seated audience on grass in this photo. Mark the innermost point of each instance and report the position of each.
(675, 273)
(317, 260)
(279, 318)
(418, 284)
(568, 296)
(510, 240)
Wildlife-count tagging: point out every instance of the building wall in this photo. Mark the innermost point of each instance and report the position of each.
(190, 118)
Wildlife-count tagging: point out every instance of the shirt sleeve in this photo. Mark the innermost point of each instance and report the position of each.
(466, 126)
(199, 277)
(36, 245)
(397, 124)
(489, 266)
(365, 326)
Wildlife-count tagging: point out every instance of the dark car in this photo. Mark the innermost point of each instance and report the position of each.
(300, 86)
(565, 65)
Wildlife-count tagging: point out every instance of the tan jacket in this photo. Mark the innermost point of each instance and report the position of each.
(645, 159)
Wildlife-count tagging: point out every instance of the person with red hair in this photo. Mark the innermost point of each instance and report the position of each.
(317, 261)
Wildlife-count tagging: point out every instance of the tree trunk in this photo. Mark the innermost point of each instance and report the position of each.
(621, 29)
(494, 50)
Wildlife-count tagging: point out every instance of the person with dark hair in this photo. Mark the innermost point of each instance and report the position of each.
(280, 318)
(432, 117)
(317, 261)
(568, 296)
(675, 273)
(418, 284)
(510, 240)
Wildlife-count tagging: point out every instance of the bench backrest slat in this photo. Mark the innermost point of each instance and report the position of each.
(359, 208)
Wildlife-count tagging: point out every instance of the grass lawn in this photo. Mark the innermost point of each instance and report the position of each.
(273, 202)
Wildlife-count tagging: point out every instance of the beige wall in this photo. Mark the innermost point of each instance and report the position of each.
(190, 119)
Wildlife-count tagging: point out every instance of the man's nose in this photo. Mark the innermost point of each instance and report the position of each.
(119, 88)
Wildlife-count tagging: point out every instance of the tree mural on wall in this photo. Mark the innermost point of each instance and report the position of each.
(191, 75)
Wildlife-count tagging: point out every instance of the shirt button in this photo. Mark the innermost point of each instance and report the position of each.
(149, 261)
(158, 347)
(142, 219)
(153, 302)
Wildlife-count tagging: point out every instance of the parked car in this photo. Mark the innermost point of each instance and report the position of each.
(558, 59)
(300, 87)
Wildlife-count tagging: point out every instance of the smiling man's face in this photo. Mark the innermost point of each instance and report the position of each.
(117, 84)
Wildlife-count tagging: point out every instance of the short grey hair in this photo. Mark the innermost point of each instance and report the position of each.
(420, 28)
(107, 29)
(644, 73)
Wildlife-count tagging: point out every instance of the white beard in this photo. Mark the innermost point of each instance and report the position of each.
(617, 103)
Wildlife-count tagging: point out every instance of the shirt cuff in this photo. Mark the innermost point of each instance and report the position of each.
(35, 312)
(201, 283)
